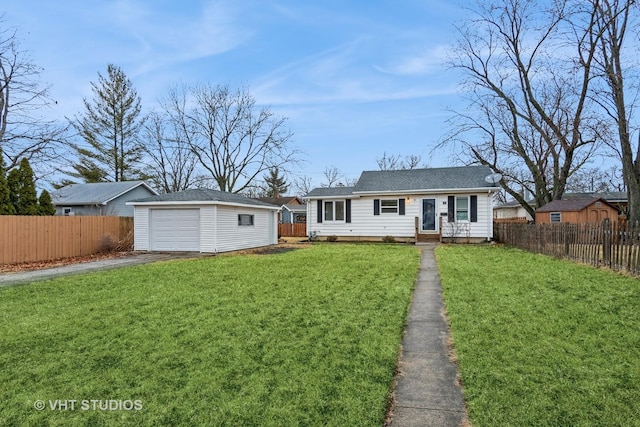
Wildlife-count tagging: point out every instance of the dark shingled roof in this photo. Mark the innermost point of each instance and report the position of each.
(330, 192)
(93, 193)
(570, 205)
(424, 179)
(203, 195)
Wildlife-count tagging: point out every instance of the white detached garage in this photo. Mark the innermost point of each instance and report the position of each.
(203, 220)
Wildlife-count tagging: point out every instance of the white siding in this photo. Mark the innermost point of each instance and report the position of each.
(365, 224)
(141, 228)
(232, 236)
(208, 238)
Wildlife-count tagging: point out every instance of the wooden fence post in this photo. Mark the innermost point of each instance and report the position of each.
(606, 242)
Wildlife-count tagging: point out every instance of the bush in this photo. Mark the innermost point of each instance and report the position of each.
(388, 239)
(108, 243)
(333, 238)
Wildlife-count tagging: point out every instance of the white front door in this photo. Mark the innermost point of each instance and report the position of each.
(429, 217)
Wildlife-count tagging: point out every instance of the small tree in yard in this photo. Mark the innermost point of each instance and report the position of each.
(46, 206)
(22, 190)
(276, 184)
(6, 207)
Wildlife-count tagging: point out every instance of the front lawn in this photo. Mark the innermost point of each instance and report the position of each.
(542, 341)
(308, 337)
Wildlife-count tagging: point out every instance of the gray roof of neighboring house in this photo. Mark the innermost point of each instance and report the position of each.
(513, 204)
(94, 193)
(296, 208)
(570, 204)
(203, 195)
(610, 196)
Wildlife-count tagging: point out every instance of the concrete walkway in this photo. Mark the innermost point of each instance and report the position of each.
(427, 393)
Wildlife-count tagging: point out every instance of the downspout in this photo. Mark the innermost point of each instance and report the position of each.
(489, 217)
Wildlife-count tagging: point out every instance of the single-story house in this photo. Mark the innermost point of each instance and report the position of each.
(100, 198)
(409, 205)
(293, 208)
(576, 211)
(512, 210)
(203, 220)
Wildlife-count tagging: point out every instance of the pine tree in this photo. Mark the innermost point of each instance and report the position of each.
(6, 207)
(22, 189)
(109, 126)
(276, 184)
(46, 206)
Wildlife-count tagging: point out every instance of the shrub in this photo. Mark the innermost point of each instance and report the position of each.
(388, 239)
(108, 243)
(333, 238)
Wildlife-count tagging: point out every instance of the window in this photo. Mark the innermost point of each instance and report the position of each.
(389, 206)
(67, 211)
(555, 216)
(462, 208)
(334, 211)
(245, 219)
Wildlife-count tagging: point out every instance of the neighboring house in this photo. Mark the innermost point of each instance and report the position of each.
(576, 211)
(101, 198)
(293, 208)
(619, 199)
(203, 220)
(511, 210)
(408, 205)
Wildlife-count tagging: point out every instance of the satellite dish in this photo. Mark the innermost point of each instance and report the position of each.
(494, 178)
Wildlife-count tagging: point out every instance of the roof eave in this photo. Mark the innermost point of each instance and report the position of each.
(202, 202)
(430, 191)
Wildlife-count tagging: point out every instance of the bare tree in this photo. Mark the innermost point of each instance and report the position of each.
(302, 185)
(233, 139)
(172, 164)
(23, 132)
(395, 162)
(332, 177)
(618, 92)
(528, 69)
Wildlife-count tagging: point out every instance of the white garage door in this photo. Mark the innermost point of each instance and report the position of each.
(175, 229)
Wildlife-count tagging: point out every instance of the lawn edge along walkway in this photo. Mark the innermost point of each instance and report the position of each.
(427, 392)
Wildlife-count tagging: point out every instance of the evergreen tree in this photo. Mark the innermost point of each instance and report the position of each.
(6, 207)
(109, 126)
(22, 189)
(276, 184)
(46, 206)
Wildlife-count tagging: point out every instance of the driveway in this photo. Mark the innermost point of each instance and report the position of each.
(25, 277)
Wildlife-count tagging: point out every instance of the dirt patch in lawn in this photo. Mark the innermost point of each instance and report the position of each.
(39, 265)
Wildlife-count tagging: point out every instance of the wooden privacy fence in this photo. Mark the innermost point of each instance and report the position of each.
(615, 245)
(292, 230)
(42, 238)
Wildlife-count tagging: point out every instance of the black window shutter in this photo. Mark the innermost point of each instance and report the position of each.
(401, 206)
(376, 206)
(347, 210)
(474, 209)
(451, 208)
(319, 211)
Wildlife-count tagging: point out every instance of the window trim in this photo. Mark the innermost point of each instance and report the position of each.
(467, 210)
(389, 209)
(334, 211)
(242, 223)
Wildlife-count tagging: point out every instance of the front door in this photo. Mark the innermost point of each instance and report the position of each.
(429, 215)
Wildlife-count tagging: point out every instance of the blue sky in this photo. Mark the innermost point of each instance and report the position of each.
(355, 78)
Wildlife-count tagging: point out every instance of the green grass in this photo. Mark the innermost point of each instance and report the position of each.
(540, 341)
(303, 338)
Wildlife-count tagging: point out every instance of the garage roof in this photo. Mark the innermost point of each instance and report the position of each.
(201, 195)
